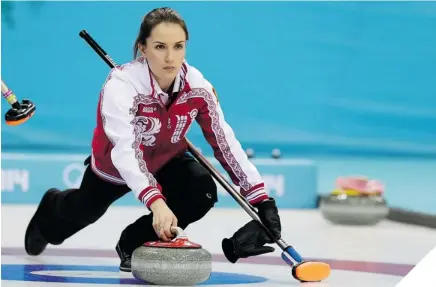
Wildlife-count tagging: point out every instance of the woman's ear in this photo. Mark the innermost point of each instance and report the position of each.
(141, 49)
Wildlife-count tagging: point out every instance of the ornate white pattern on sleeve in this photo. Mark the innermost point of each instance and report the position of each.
(144, 134)
(144, 129)
(219, 134)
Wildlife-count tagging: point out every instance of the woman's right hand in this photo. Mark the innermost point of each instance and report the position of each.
(163, 219)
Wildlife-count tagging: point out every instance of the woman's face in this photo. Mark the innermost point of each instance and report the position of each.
(165, 51)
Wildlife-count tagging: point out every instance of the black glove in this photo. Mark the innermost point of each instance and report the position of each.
(269, 215)
(247, 241)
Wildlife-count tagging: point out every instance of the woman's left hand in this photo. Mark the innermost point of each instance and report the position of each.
(269, 215)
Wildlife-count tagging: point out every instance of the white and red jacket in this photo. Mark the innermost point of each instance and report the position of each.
(136, 134)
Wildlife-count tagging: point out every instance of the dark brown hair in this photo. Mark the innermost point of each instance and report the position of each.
(154, 18)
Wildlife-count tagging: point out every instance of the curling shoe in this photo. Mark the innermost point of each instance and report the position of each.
(34, 241)
(126, 259)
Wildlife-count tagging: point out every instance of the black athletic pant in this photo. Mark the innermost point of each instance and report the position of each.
(188, 187)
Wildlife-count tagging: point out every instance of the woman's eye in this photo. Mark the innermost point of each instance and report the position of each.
(179, 46)
(160, 47)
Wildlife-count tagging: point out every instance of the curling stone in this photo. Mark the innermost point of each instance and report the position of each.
(250, 152)
(355, 201)
(179, 262)
(276, 153)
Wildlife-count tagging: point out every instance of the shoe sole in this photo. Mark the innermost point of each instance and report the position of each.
(123, 269)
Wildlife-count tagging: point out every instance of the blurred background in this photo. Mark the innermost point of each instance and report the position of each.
(339, 88)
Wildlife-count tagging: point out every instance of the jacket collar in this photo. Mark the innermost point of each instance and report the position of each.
(180, 82)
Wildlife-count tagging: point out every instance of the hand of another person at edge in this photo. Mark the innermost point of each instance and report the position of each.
(163, 219)
(269, 215)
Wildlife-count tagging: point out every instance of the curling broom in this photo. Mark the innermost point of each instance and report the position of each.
(19, 112)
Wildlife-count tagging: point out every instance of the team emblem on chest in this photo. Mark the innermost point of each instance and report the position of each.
(149, 109)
